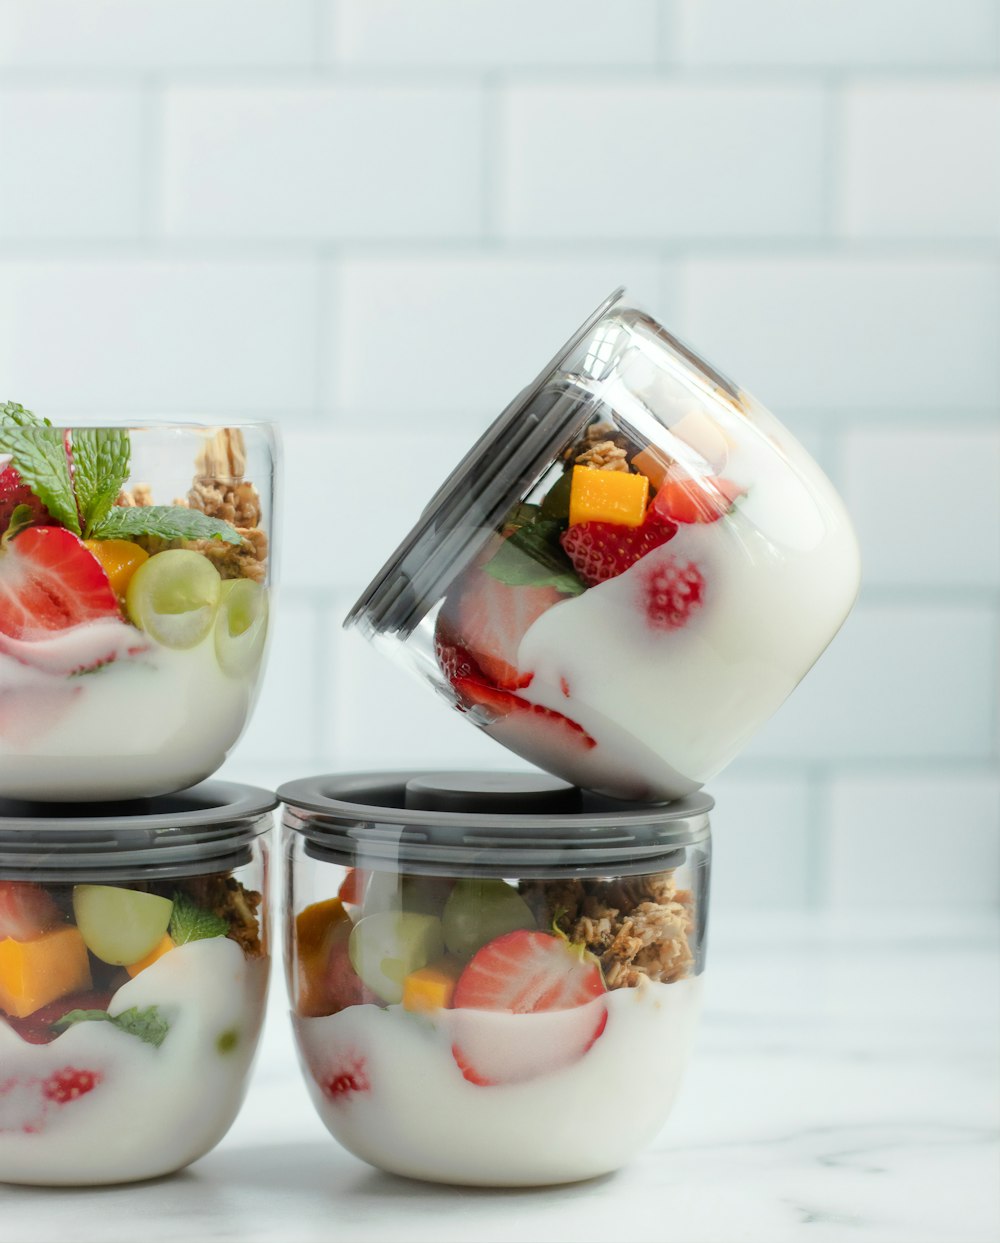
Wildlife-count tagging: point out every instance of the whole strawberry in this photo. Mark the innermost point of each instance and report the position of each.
(14, 492)
(603, 550)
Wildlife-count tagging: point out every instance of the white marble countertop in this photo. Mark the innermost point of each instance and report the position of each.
(844, 1087)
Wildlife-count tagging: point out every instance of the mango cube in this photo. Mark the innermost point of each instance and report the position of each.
(432, 987)
(163, 946)
(318, 928)
(608, 496)
(34, 973)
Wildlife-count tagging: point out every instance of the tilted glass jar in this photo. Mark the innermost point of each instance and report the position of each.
(134, 960)
(480, 963)
(629, 572)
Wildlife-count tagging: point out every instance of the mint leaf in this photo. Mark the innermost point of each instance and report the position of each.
(13, 414)
(38, 455)
(531, 556)
(190, 922)
(169, 522)
(23, 516)
(148, 1025)
(102, 458)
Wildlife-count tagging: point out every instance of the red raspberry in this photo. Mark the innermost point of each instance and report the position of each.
(351, 1077)
(69, 1084)
(672, 592)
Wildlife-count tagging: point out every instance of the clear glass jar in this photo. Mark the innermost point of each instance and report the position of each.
(134, 960)
(478, 962)
(628, 573)
(135, 576)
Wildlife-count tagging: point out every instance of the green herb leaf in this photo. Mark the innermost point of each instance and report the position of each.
(531, 556)
(39, 456)
(190, 922)
(169, 522)
(148, 1025)
(102, 458)
(23, 516)
(13, 414)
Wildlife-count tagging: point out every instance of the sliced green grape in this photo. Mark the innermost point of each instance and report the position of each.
(384, 949)
(241, 626)
(479, 911)
(120, 926)
(174, 597)
(422, 895)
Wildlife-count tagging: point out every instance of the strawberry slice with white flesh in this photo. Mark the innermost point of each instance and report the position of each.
(53, 592)
(26, 910)
(528, 1003)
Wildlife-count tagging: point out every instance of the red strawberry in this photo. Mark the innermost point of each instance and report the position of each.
(49, 582)
(487, 620)
(695, 500)
(353, 886)
(69, 1084)
(672, 591)
(37, 1028)
(454, 660)
(527, 973)
(603, 550)
(13, 492)
(341, 985)
(349, 1077)
(515, 708)
(26, 910)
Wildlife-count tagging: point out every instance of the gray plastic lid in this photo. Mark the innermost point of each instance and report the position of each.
(487, 823)
(208, 828)
(531, 433)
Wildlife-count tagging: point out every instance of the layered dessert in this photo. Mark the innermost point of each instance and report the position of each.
(463, 1030)
(129, 1017)
(131, 632)
(654, 598)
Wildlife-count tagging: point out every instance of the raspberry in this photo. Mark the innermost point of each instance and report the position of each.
(672, 592)
(351, 1077)
(69, 1084)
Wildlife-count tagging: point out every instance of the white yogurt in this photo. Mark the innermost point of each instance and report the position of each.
(670, 708)
(152, 1110)
(400, 1101)
(150, 722)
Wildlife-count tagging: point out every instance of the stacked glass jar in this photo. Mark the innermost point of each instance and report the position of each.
(135, 573)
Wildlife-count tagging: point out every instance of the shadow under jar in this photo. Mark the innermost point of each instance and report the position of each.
(135, 576)
(630, 571)
(475, 959)
(134, 960)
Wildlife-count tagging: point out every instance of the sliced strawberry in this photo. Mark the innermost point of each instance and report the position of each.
(514, 708)
(603, 550)
(353, 886)
(26, 910)
(695, 500)
(672, 591)
(487, 620)
(50, 582)
(38, 1028)
(69, 1084)
(14, 492)
(346, 1079)
(557, 991)
(454, 660)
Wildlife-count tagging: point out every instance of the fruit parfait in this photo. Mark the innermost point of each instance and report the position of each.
(133, 975)
(134, 583)
(628, 573)
(474, 959)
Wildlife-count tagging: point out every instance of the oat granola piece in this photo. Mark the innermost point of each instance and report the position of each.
(238, 906)
(140, 497)
(605, 455)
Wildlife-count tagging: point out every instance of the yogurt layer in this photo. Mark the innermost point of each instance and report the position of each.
(152, 721)
(388, 1087)
(150, 1110)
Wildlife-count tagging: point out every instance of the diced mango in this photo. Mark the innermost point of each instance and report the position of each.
(318, 928)
(432, 987)
(314, 923)
(34, 973)
(607, 496)
(119, 559)
(163, 946)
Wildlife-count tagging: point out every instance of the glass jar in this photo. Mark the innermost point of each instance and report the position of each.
(135, 575)
(134, 959)
(628, 573)
(479, 964)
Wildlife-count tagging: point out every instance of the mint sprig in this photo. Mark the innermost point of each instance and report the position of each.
(190, 922)
(102, 459)
(38, 454)
(169, 522)
(13, 414)
(148, 1025)
(531, 555)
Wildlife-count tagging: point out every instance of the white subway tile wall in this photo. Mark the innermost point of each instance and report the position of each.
(372, 220)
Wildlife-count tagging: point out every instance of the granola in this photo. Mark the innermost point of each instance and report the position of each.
(238, 906)
(639, 927)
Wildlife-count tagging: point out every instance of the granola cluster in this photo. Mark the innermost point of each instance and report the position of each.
(639, 927)
(602, 447)
(219, 490)
(238, 906)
